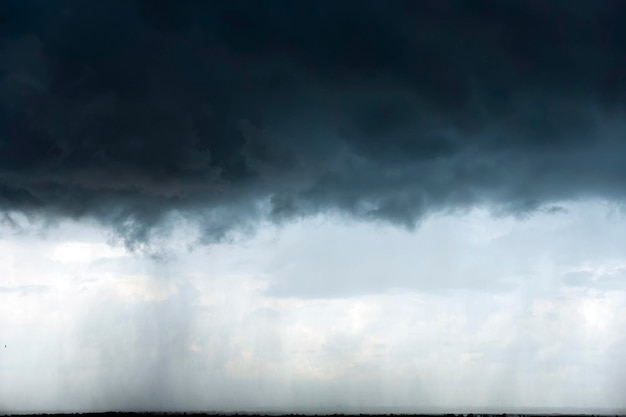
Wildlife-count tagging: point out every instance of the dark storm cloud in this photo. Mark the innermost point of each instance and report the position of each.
(237, 111)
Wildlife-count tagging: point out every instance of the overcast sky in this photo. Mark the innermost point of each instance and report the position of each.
(312, 205)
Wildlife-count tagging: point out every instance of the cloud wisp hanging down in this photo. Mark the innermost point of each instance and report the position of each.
(231, 113)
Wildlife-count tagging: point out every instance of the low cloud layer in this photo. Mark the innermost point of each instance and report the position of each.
(531, 319)
(231, 113)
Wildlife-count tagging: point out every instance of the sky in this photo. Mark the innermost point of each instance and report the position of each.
(302, 206)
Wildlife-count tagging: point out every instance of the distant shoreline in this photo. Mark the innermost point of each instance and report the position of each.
(252, 414)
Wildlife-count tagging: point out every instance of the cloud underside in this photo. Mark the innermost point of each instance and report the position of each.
(231, 113)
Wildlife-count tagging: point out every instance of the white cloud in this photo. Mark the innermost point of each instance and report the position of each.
(71, 252)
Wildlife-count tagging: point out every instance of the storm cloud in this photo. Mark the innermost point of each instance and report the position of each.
(232, 113)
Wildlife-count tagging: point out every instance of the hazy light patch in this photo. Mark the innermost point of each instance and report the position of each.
(595, 314)
(84, 252)
(139, 288)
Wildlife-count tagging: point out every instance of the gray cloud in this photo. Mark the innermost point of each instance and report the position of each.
(24, 290)
(234, 112)
(614, 280)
